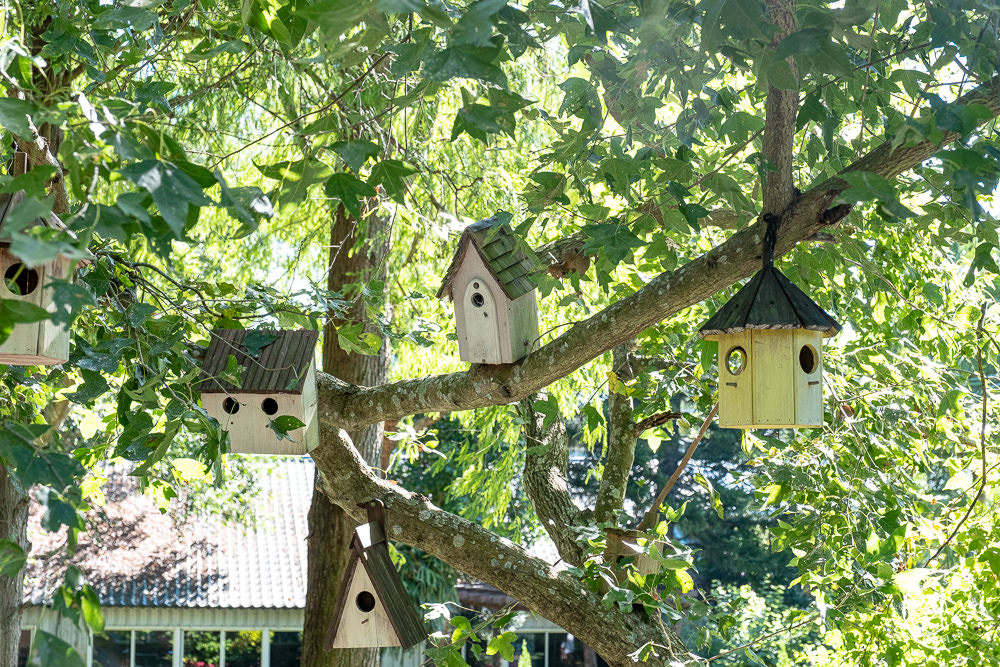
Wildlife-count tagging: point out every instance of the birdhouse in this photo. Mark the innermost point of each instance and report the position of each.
(625, 544)
(770, 351)
(277, 377)
(373, 608)
(31, 343)
(496, 314)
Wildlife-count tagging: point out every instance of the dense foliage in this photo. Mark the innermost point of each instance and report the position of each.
(195, 149)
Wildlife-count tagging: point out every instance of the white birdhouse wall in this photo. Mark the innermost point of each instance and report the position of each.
(771, 378)
(365, 621)
(491, 328)
(38, 342)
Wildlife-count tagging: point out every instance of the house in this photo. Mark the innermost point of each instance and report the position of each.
(176, 592)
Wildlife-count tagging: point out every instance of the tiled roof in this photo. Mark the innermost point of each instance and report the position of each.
(134, 556)
(273, 362)
(508, 258)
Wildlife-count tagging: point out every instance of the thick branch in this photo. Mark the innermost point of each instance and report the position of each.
(545, 464)
(346, 406)
(779, 119)
(546, 589)
(621, 440)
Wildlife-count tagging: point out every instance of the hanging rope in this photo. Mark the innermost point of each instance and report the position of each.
(770, 238)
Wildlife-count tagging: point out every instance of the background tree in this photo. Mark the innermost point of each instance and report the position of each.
(639, 144)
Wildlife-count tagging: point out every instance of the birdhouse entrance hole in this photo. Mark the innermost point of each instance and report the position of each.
(365, 601)
(269, 406)
(807, 358)
(736, 360)
(231, 405)
(20, 280)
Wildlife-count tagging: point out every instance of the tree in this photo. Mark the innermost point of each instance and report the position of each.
(646, 143)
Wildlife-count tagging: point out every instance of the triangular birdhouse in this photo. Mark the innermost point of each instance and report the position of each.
(770, 351)
(277, 378)
(32, 343)
(496, 314)
(373, 608)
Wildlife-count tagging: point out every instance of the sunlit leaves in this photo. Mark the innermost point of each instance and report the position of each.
(350, 190)
(175, 193)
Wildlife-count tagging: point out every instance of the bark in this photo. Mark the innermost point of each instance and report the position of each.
(545, 464)
(779, 119)
(343, 405)
(546, 589)
(13, 527)
(621, 440)
(354, 258)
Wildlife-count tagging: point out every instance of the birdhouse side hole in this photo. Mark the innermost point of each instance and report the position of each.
(736, 360)
(20, 280)
(365, 601)
(808, 359)
(231, 405)
(269, 406)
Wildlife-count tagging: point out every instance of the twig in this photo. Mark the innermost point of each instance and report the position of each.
(654, 511)
(655, 420)
(787, 628)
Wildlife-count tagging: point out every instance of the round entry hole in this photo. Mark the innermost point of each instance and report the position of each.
(736, 360)
(808, 358)
(20, 280)
(478, 300)
(365, 601)
(231, 405)
(269, 406)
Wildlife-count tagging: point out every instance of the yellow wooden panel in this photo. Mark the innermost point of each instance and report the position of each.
(773, 381)
(735, 390)
(808, 355)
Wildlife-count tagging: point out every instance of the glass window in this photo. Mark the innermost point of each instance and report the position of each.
(23, 647)
(202, 649)
(112, 648)
(286, 649)
(529, 649)
(242, 648)
(154, 649)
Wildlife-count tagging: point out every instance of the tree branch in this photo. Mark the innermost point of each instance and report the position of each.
(347, 406)
(466, 546)
(621, 440)
(779, 118)
(545, 465)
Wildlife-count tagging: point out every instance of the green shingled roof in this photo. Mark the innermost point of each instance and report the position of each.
(509, 260)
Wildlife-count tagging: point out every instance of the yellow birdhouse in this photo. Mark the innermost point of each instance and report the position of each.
(770, 351)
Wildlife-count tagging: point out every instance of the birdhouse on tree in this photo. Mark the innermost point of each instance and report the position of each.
(496, 314)
(31, 343)
(276, 374)
(770, 351)
(373, 608)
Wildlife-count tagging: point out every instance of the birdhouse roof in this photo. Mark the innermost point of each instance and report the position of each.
(10, 201)
(507, 258)
(272, 362)
(769, 301)
(371, 551)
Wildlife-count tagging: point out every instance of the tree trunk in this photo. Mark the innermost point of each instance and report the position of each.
(13, 526)
(354, 258)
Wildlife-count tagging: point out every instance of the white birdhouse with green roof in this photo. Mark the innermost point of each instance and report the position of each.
(496, 314)
(275, 380)
(770, 351)
(31, 343)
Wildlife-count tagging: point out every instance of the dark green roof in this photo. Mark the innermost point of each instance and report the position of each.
(769, 301)
(271, 362)
(509, 259)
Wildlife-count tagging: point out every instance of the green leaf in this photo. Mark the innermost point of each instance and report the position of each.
(93, 386)
(12, 558)
(353, 338)
(390, 174)
(465, 61)
(47, 650)
(349, 189)
(712, 493)
(256, 340)
(283, 425)
(137, 313)
(580, 99)
(123, 17)
(91, 608)
(480, 121)
(475, 27)
(355, 153)
(14, 116)
(173, 191)
(502, 644)
(616, 241)
(334, 16)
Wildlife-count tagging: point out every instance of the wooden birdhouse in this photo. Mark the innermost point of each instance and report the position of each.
(373, 608)
(34, 343)
(496, 314)
(770, 352)
(277, 377)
